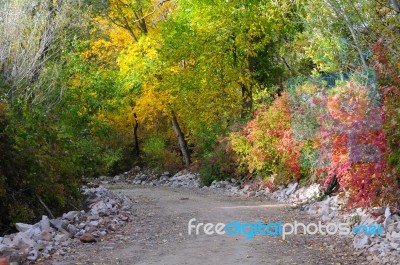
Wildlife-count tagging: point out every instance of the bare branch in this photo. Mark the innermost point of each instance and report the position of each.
(27, 44)
(152, 12)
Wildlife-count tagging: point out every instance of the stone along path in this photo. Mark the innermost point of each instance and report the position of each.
(158, 234)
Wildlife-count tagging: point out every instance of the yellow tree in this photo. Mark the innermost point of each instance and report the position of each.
(130, 42)
(195, 64)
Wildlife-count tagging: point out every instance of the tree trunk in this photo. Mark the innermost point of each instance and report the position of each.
(396, 6)
(136, 149)
(247, 100)
(181, 139)
(247, 91)
(281, 88)
(332, 187)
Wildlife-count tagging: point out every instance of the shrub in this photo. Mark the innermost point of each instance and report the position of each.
(43, 156)
(218, 164)
(265, 146)
(210, 154)
(350, 143)
(158, 157)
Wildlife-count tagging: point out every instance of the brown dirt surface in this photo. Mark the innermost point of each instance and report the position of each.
(158, 234)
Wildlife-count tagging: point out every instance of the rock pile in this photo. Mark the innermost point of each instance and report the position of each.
(233, 187)
(106, 213)
(379, 249)
(257, 188)
(230, 187)
(184, 179)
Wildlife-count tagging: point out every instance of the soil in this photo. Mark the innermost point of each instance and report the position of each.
(158, 234)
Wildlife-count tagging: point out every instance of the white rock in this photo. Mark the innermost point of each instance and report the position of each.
(251, 193)
(22, 227)
(70, 215)
(22, 240)
(259, 193)
(390, 228)
(395, 236)
(312, 191)
(71, 229)
(61, 237)
(45, 224)
(326, 218)
(361, 242)
(94, 223)
(2, 247)
(58, 224)
(7, 241)
(291, 188)
(98, 208)
(324, 206)
(394, 246)
(387, 212)
(312, 209)
(92, 218)
(368, 220)
(280, 194)
(45, 236)
(33, 255)
(33, 232)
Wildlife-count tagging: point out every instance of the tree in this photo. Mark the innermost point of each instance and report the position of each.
(27, 44)
(338, 34)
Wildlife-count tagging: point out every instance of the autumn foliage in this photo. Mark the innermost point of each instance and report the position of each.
(90, 88)
(338, 134)
(265, 145)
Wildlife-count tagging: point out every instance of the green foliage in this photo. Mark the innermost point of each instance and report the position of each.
(307, 159)
(217, 164)
(46, 149)
(210, 152)
(20, 213)
(70, 109)
(36, 165)
(153, 147)
(318, 197)
(389, 81)
(158, 157)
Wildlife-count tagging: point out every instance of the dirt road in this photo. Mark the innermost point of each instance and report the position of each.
(158, 234)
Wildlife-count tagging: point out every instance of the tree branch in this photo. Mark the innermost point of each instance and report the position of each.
(395, 7)
(45, 207)
(152, 12)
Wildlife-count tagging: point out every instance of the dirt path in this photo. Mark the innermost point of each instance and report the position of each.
(158, 234)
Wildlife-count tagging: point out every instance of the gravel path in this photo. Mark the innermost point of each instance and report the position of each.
(158, 234)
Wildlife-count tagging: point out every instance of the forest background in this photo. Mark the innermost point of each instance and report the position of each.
(282, 91)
